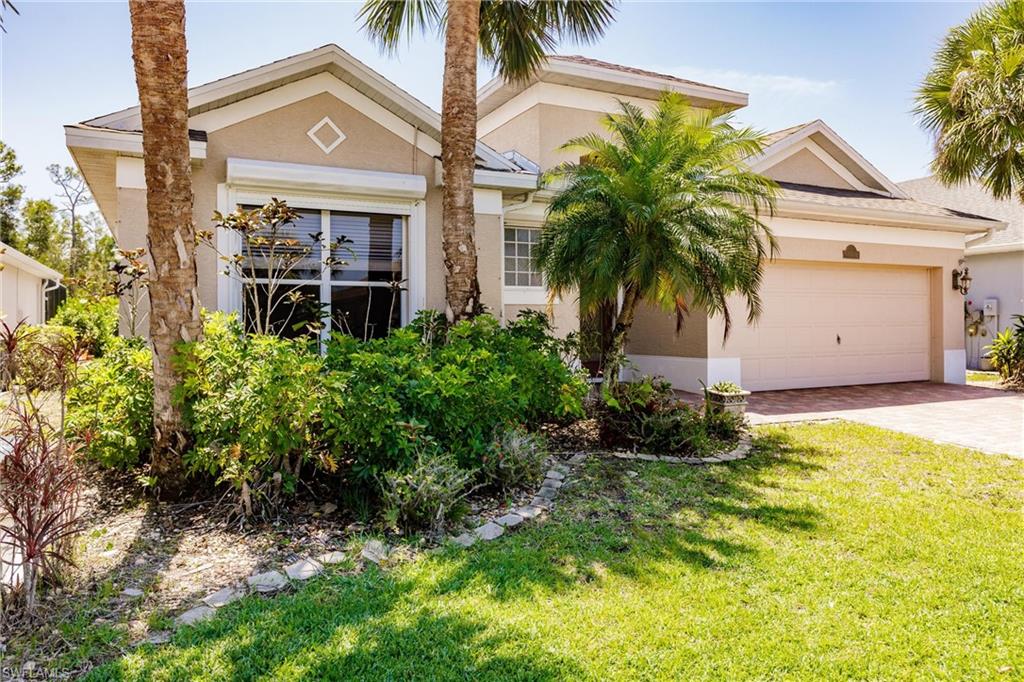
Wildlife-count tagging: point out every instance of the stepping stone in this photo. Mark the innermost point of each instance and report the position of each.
(465, 540)
(578, 458)
(647, 458)
(303, 569)
(375, 551)
(632, 474)
(624, 455)
(542, 502)
(194, 615)
(509, 520)
(671, 460)
(334, 557)
(529, 512)
(557, 475)
(489, 531)
(223, 597)
(131, 592)
(269, 581)
(546, 492)
(157, 638)
(692, 460)
(553, 483)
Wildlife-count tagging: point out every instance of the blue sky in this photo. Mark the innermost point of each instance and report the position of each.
(853, 65)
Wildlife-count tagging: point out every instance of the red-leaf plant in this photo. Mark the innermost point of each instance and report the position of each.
(39, 503)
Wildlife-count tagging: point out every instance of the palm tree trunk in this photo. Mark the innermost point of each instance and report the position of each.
(158, 49)
(458, 158)
(620, 334)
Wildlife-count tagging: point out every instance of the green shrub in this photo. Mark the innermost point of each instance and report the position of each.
(516, 457)
(459, 384)
(1007, 353)
(425, 495)
(110, 406)
(252, 404)
(94, 321)
(646, 414)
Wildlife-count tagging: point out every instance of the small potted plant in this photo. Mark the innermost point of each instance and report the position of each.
(726, 396)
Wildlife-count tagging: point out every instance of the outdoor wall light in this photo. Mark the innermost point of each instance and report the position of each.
(962, 280)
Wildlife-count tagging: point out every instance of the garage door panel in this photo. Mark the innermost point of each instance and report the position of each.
(881, 316)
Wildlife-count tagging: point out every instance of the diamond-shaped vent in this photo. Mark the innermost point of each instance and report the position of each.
(326, 135)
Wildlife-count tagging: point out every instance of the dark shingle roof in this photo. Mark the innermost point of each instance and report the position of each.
(976, 199)
(828, 196)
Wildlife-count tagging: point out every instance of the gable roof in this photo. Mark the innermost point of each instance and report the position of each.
(848, 162)
(22, 261)
(973, 197)
(328, 58)
(623, 81)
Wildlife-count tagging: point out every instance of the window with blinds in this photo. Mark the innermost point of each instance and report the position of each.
(346, 269)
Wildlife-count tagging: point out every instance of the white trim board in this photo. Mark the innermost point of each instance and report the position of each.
(811, 146)
(128, 142)
(774, 151)
(324, 179)
(856, 233)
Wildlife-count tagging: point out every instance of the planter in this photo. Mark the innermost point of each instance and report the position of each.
(985, 364)
(734, 402)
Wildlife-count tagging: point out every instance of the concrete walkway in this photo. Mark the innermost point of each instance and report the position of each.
(986, 419)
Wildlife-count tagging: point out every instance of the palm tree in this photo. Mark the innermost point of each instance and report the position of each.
(664, 211)
(514, 35)
(973, 101)
(158, 49)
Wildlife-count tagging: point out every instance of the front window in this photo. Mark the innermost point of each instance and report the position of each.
(354, 285)
(519, 268)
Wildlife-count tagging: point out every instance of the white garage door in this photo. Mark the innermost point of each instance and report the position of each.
(827, 324)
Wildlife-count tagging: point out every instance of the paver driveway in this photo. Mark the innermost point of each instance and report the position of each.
(981, 418)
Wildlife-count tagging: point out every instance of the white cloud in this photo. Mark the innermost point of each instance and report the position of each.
(753, 82)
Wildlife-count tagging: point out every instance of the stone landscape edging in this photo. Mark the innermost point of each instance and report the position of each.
(375, 551)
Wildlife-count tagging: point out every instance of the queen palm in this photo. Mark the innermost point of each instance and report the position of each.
(973, 101)
(513, 35)
(663, 210)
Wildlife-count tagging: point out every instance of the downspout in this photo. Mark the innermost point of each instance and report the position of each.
(522, 204)
(47, 289)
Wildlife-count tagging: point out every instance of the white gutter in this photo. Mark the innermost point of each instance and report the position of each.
(12, 256)
(489, 179)
(128, 142)
(983, 249)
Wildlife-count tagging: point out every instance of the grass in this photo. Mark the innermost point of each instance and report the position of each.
(983, 377)
(836, 551)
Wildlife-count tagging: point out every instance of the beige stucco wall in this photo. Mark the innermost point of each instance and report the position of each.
(563, 316)
(280, 135)
(805, 168)
(522, 134)
(654, 333)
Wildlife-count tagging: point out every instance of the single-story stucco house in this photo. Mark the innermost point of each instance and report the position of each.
(995, 261)
(24, 284)
(861, 291)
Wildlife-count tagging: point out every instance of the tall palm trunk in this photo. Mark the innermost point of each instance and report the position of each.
(158, 49)
(458, 157)
(620, 332)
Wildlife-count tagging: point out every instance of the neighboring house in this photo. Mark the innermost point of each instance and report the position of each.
(995, 262)
(861, 292)
(24, 285)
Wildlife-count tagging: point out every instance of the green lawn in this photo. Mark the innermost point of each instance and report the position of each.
(837, 551)
(983, 377)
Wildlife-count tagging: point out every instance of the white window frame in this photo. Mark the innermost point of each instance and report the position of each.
(516, 294)
(413, 213)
